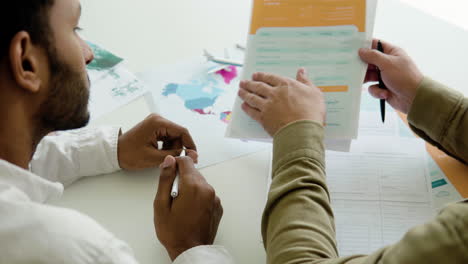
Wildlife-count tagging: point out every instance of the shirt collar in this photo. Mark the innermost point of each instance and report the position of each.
(36, 188)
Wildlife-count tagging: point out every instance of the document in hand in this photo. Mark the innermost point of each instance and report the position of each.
(324, 37)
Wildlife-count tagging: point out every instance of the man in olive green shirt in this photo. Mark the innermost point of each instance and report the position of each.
(298, 224)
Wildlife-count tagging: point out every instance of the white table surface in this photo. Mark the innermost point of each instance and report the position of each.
(148, 33)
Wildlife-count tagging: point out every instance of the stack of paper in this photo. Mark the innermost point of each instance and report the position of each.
(322, 36)
(379, 191)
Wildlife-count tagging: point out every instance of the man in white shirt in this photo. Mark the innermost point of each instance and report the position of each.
(44, 88)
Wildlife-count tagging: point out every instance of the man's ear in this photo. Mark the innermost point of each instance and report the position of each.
(25, 60)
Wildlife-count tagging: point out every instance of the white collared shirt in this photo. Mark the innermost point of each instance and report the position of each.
(34, 232)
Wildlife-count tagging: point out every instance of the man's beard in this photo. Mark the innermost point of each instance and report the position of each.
(66, 106)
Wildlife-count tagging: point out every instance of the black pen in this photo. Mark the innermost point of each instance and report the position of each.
(381, 84)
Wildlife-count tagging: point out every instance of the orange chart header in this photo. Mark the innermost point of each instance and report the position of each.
(334, 89)
(308, 13)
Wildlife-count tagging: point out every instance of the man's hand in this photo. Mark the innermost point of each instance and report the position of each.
(276, 101)
(138, 148)
(399, 73)
(191, 219)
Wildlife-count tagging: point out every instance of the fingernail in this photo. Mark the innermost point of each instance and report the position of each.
(167, 162)
(303, 72)
(193, 155)
(189, 153)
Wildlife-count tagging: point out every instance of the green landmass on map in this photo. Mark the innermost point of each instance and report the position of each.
(103, 59)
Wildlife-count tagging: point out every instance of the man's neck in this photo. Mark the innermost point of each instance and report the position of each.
(18, 138)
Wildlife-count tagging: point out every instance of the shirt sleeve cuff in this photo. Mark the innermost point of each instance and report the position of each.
(301, 136)
(98, 151)
(433, 108)
(205, 255)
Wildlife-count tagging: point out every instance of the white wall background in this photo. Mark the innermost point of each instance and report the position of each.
(452, 11)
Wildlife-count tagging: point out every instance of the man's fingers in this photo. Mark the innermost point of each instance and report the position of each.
(169, 131)
(167, 176)
(186, 168)
(187, 140)
(176, 146)
(387, 46)
(252, 99)
(375, 57)
(218, 209)
(157, 157)
(259, 88)
(182, 135)
(302, 77)
(371, 75)
(268, 78)
(192, 154)
(379, 93)
(172, 144)
(217, 216)
(188, 174)
(252, 112)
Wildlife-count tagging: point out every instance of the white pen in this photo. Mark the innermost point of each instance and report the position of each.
(175, 184)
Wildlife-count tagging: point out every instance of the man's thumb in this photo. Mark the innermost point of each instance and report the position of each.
(302, 76)
(166, 178)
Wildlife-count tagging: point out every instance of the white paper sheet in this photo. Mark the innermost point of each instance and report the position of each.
(343, 145)
(112, 89)
(112, 85)
(366, 226)
(379, 191)
(384, 169)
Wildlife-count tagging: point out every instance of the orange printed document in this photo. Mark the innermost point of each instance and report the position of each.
(322, 36)
(308, 13)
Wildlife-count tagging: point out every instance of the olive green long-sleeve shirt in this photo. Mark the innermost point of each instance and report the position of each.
(298, 224)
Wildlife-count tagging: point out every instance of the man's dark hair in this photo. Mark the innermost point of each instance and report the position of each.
(31, 16)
